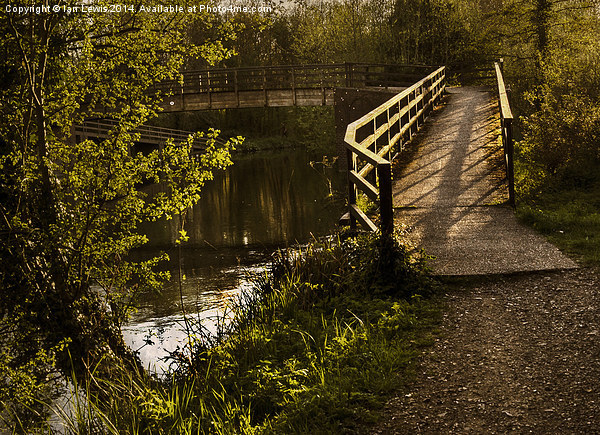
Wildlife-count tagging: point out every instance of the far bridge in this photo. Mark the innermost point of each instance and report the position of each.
(352, 88)
(280, 86)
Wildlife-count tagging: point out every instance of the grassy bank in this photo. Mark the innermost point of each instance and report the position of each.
(569, 217)
(317, 347)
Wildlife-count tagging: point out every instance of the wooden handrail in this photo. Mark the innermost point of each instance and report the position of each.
(148, 134)
(506, 122)
(391, 125)
(310, 76)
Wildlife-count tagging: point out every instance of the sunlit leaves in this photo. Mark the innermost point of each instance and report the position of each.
(72, 207)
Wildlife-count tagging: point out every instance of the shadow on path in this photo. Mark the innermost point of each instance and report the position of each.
(451, 196)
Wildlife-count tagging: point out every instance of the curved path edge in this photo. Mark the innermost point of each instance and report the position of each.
(449, 198)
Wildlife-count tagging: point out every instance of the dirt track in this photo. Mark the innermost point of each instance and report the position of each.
(517, 354)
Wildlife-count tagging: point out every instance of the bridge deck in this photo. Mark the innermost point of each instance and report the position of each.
(450, 197)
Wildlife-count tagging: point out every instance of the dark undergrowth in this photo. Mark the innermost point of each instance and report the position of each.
(316, 347)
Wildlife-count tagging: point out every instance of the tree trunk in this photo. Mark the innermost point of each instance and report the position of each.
(541, 17)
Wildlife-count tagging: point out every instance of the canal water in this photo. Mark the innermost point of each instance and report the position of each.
(264, 201)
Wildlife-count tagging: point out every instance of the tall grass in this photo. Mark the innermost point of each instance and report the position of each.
(314, 348)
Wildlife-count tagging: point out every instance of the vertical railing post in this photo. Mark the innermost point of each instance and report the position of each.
(412, 112)
(347, 74)
(400, 147)
(293, 86)
(264, 71)
(236, 87)
(351, 158)
(374, 134)
(324, 99)
(420, 106)
(510, 169)
(208, 89)
(386, 209)
(372, 177)
(389, 133)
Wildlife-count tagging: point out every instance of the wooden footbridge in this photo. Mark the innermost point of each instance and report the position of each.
(279, 86)
(149, 136)
(454, 196)
(267, 86)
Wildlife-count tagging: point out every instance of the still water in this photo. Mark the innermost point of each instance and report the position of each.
(263, 202)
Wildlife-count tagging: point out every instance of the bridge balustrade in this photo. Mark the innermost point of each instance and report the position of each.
(506, 119)
(101, 128)
(371, 140)
(308, 76)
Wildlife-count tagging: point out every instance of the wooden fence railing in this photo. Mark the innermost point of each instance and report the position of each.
(506, 119)
(327, 76)
(371, 140)
(100, 129)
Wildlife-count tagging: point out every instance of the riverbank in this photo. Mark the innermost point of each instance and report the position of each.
(315, 347)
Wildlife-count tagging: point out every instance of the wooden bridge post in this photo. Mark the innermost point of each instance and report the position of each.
(373, 131)
(323, 96)
(510, 153)
(347, 73)
(208, 89)
(400, 143)
(351, 159)
(386, 209)
(427, 97)
(412, 112)
(264, 74)
(236, 87)
(420, 105)
(389, 134)
(293, 86)
(372, 177)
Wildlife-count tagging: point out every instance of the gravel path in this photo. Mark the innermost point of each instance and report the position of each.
(516, 354)
(447, 194)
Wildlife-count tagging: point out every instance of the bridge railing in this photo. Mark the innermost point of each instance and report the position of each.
(371, 140)
(506, 121)
(101, 128)
(293, 77)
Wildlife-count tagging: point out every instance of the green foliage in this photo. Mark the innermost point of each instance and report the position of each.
(318, 343)
(314, 348)
(333, 31)
(314, 128)
(562, 137)
(69, 209)
(262, 38)
(431, 32)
